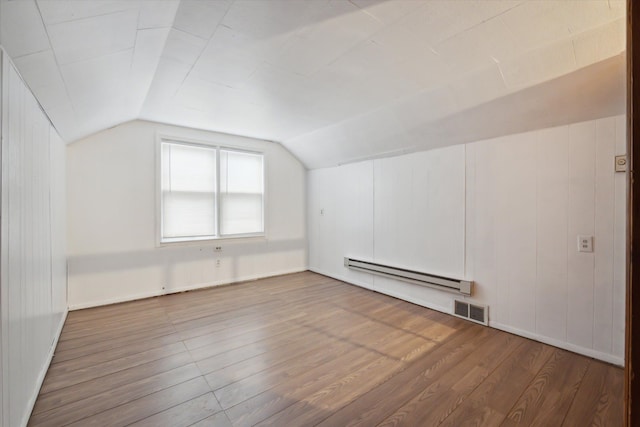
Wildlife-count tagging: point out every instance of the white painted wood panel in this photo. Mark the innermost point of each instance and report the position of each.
(419, 220)
(507, 213)
(517, 220)
(32, 261)
(341, 220)
(552, 182)
(581, 221)
(604, 220)
(419, 211)
(619, 243)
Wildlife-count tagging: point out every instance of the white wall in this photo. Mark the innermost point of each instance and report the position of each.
(32, 262)
(111, 220)
(505, 213)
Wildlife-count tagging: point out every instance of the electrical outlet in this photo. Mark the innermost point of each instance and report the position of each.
(218, 263)
(218, 249)
(585, 243)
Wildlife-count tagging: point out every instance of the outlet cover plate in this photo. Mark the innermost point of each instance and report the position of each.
(585, 243)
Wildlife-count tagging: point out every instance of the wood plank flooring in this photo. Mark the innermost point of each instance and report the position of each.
(305, 350)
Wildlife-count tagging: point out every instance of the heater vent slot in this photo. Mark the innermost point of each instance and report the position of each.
(474, 312)
(461, 309)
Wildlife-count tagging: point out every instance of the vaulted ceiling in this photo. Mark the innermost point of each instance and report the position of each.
(332, 80)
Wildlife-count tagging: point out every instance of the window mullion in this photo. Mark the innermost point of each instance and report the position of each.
(217, 196)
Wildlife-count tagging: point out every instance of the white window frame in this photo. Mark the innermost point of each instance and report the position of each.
(160, 138)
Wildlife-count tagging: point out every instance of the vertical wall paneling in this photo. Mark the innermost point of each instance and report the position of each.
(604, 235)
(518, 217)
(419, 211)
(4, 338)
(581, 221)
(32, 259)
(619, 245)
(552, 182)
(504, 213)
(469, 205)
(419, 219)
(482, 241)
(341, 220)
(58, 226)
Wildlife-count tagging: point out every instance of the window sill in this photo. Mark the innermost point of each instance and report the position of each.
(212, 241)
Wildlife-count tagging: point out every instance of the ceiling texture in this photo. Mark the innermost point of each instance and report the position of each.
(334, 81)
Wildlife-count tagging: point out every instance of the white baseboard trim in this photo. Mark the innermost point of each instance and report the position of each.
(343, 279)
(605, 357)
(43, 371)
(384, 291)
(115, 300)
(156, 293)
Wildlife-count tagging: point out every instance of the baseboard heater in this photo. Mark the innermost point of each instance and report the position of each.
(447, 284)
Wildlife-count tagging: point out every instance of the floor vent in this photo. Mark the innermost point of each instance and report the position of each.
(474, 312)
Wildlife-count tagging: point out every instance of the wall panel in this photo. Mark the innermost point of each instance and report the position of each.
(32, 261)
(505, 213)
(341, 219)
(619, 243)
(581, 221)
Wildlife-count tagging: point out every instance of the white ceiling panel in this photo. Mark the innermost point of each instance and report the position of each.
(322, 44)
(226, 68)
(146, 57)
(97, 79)
(201, 95)
(39, 67)
(539, 65)
(332, 80)
(425, 106)
(21, 29)
(64, 118)
(266, 19)
(42, 69)
(200, 18)
(157, 14)
(168, 78)
(245, 44)
(603, 42)
(89, 38)
(55, 12)
(87, 119)
(480, 46)
(438, 21)
(387, 12)
(183, 47)
(51, 96)
(479, 87)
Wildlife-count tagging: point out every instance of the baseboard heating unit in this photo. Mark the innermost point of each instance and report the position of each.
(447, 284)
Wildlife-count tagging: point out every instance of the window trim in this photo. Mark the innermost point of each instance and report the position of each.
(205, 240)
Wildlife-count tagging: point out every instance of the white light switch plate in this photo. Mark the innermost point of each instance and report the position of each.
(585, 243)
(621, 163)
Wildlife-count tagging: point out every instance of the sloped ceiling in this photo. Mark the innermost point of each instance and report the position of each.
(332, 80)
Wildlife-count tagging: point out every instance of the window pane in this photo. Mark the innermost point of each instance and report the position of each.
(188, 191)
(188, 214)
(241, 192)
(188, 168)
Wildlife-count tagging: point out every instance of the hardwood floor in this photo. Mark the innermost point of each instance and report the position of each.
(303, 350)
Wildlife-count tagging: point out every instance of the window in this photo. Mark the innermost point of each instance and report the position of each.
(209, 192)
